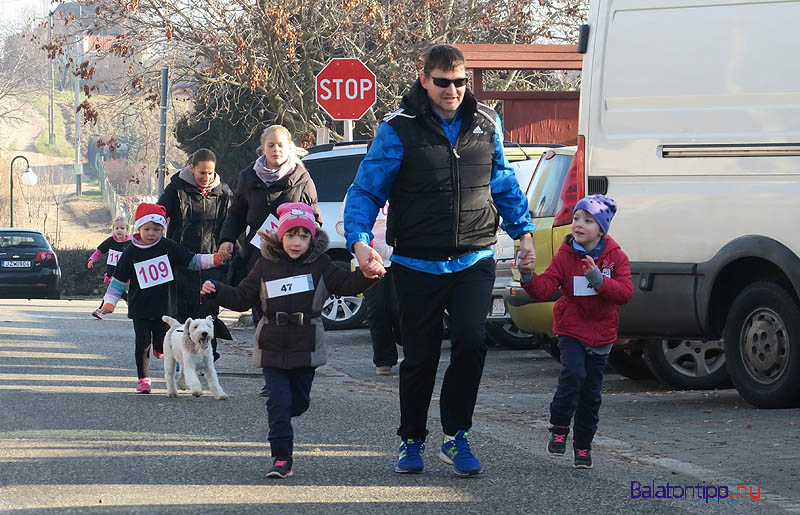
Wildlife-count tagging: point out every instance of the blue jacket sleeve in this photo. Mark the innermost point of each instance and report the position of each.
(372, 185)
(511, 202)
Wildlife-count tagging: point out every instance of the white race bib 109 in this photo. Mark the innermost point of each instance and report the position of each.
(113, 257)
(269, 225)
(289, 285)
(581, 286)
(153, 272)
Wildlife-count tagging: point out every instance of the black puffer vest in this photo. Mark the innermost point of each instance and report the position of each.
(441, 204)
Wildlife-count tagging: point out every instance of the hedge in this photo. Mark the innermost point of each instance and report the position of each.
(76, 279)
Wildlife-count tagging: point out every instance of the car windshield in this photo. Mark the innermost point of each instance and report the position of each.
(333, 175)
(22, 240)
(546, 185)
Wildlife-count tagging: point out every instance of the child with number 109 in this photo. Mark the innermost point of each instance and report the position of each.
(148, 263)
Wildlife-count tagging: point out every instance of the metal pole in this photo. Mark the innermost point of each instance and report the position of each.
(162, 148)
(11, 182)
(348, 130)
(51, 109)
(78, 165)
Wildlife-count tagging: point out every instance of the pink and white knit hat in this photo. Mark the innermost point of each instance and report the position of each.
(150, 213)
(295, 214)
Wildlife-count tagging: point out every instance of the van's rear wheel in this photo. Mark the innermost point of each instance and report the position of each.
(687, 364)
(762, 345)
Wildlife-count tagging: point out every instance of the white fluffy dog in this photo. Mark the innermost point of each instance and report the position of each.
(189, 345)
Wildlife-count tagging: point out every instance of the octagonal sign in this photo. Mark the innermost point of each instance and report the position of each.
(345, 89)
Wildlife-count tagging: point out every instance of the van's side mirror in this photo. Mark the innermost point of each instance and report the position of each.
(583, 38)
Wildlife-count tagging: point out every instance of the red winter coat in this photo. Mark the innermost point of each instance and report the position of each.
(592, 319)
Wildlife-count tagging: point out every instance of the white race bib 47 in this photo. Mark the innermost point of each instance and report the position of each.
(153, 272)
(289, 285)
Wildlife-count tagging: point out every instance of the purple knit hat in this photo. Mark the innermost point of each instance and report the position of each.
(600, 207)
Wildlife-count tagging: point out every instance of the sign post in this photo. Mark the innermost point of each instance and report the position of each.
(345, 89)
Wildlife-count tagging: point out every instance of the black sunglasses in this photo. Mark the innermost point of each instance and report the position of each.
(445, 83)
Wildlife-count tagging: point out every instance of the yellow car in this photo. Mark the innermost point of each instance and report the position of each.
(551, 196)
(500, 329)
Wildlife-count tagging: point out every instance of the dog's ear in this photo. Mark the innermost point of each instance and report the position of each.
(210, 318)
(187, 325)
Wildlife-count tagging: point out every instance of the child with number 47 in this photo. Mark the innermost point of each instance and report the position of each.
(290, 282)
(594, 276)
(148, 263)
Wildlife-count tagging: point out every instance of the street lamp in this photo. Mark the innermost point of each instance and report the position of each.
(29, 178)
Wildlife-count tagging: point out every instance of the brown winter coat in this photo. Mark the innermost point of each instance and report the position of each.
(290, 345)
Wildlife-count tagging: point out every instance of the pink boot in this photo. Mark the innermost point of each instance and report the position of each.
(143, 386)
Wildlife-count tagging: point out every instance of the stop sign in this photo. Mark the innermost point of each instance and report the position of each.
(345, 89)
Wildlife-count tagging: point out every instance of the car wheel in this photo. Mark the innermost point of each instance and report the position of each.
(687, 364)
(346, 312)
(508, 335)
(628, 362)
(762, 345)
(551, 346)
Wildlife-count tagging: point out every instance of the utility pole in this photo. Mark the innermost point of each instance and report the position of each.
(51, 108)
(78, 164)
(162, 147)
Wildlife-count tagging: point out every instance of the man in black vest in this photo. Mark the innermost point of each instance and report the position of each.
(439, 161)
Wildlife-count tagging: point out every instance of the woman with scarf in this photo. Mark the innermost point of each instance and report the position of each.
(276, 177)
(196, 202)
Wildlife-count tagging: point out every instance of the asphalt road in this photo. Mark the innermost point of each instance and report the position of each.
(75, 438)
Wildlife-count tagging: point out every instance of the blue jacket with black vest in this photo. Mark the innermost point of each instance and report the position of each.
(446, 192)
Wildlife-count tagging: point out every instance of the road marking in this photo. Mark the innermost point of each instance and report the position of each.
(64, 377)
(49, 355)
(66, 317)
(38, 345)
(40, 497)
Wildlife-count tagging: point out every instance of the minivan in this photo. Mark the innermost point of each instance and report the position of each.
(690, 119)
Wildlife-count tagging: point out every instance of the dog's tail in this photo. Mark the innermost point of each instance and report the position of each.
(171, 321)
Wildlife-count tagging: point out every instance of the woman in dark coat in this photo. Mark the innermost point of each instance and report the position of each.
(276, 177)
(197, 201)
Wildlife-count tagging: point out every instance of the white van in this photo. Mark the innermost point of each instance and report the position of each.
(690, 120)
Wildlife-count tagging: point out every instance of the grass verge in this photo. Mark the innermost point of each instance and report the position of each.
(40, 102)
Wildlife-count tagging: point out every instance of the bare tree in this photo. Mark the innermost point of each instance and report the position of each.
(22, 66)
(223, 48)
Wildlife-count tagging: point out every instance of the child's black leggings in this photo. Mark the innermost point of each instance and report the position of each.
(148, 331)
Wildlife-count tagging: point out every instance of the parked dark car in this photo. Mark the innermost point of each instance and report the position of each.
(28, 265)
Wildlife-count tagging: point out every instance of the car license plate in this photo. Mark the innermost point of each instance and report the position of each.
(498, 307)
(15, 264)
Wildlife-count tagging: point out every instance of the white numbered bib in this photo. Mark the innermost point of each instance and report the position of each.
(153, 272)
(289, 285)
(113, 257)
(269, 225)
(581, 286)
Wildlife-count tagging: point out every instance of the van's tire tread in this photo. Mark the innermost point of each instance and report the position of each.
(783, 392)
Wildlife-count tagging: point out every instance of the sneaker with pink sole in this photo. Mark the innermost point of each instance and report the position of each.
(144, 385)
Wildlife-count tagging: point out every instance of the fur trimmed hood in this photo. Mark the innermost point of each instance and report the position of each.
(272, 249)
